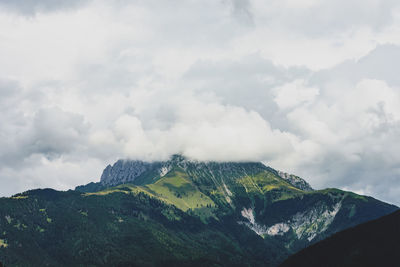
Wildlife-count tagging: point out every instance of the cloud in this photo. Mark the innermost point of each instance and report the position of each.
(350, 138)
(242, 10)
(31, 7)
(294, 93)
(203, 131)
(55, 132)
(318, 18)
(50, 132)
(377, 64)
(310, 87)
(44, 173)
(248, 82)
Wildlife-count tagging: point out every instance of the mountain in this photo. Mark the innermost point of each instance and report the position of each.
(178, 212)
(375, 243)
(274, 205)
(267, 201)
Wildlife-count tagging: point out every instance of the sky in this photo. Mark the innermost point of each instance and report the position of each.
(310, 87)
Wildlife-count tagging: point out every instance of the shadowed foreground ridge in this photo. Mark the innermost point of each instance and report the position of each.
(375, 243)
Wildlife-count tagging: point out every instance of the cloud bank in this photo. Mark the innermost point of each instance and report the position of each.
(84, 83)
(32, 7)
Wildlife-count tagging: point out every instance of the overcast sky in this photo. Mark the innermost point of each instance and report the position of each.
(311, 87)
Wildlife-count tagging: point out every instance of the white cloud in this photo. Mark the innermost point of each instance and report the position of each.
(299, 84)
(294, 93)
(204, 131)
(349, 138)
(31, 7)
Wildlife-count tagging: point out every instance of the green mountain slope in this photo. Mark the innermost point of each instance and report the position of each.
(375, 243)
(51, 228)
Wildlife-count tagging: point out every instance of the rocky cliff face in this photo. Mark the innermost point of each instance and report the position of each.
(296, 181)
(125, 171)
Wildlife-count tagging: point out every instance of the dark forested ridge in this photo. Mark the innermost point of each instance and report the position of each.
(375, 243)
(177, 213)
(51, 228)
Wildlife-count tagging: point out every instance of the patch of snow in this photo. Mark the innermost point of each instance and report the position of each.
(257, 228)
(164, 171)
(278, 229)
(227, 190)
(248, 214)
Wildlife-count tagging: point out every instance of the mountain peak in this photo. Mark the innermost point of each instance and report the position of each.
(141, 172)
(178, 158)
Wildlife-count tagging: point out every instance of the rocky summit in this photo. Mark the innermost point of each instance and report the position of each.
(127, 171)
